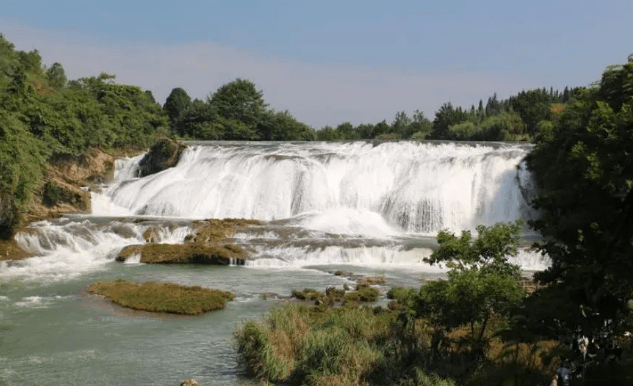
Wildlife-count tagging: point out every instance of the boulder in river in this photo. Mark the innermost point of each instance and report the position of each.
(163, 155)
(190, 382)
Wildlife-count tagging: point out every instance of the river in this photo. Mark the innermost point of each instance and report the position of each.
(369, 208)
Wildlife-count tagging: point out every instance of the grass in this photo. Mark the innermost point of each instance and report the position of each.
(162, 297)
(400, 297)
(346, 345)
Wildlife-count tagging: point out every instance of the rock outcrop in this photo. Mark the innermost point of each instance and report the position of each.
(61, 190)
(208, 244)
(9, 250)
(191, 253)
(9, 216)
(190, 382)
(163, 155)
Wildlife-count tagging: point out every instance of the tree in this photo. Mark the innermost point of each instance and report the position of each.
(583, 167)
(445, 117)
(481, 282)
(401, 125)
(56, 76)
(176, 103)
(239, 100)
(533, 106)
(282, 126)
(199, 120)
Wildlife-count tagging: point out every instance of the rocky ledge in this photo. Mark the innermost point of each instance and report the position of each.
(63, 190)
(208, 244)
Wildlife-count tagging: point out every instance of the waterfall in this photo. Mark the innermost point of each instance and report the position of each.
(379, 189)
(355, 203)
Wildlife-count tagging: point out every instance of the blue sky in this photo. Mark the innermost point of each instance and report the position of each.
(331, 61)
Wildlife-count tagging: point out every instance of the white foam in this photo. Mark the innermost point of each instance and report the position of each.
(68, 249)
(414, 187)
(348, 221)
(134, 259)
(363, 256)
(530, 260)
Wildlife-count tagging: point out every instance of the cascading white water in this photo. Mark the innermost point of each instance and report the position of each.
(64, 248)
(354, 187)
(352, 202)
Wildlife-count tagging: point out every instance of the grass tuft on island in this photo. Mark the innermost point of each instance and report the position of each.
(162, 297)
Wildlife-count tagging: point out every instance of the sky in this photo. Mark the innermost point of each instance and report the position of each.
(331, 61)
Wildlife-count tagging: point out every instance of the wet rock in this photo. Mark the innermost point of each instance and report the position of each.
(223, 254)
(163, 155)
(190, 382)
(9, 216)
(372, 280)
(9, 250)
(57, 192)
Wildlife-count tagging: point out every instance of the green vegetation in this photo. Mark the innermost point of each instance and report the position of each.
(583, 167)
(481, 284)
(307, 294)
(334, 296)
(162, 297)
(236, 111)
(342, 346)
(363, 293)
(42, 115)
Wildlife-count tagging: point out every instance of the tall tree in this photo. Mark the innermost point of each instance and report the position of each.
(176, 103)
(583, 167)
(239, 100)
(56, 76)
(447, 116)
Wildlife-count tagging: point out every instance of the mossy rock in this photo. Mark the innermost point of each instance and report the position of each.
(56, 193)
(307, 294)
(214, 230)
(372, 280)
(163, 155)
(362, 294)
(223, 254)
(162, 297)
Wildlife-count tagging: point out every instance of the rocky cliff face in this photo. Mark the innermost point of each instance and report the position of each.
(66, 187)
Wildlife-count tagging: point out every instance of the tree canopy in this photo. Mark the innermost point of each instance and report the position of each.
(583, 167)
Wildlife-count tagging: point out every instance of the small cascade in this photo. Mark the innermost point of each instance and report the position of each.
(66, 248)
(373, 256)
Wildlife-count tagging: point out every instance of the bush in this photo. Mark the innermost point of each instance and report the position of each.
(339, 346)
